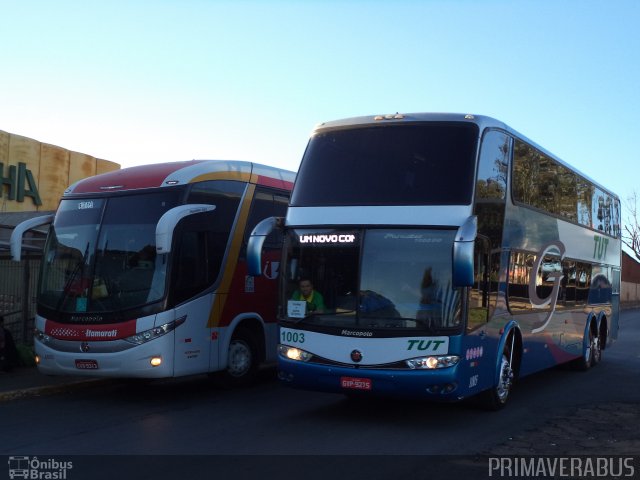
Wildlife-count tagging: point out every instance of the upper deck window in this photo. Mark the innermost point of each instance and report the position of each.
(541, 182)
(400, 164)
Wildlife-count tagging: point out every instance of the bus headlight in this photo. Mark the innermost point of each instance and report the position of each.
(293, 353)
(43, 337)
(429, 363)
(155, 332)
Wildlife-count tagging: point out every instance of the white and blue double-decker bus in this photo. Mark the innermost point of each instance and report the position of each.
(452, 254)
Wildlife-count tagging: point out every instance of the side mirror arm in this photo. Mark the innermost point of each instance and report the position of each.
(463, 247)
(256, 241)
(18, 232)
(167, 223)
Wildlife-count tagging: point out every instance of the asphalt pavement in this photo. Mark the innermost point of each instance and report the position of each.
(24, 382)
(609, 429)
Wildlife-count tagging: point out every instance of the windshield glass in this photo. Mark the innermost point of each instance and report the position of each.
(100, 254)
(394, 164)
(374, 279)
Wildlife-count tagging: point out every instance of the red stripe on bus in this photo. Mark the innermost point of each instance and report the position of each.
(142, 176)
(274, 182)
(98, 333)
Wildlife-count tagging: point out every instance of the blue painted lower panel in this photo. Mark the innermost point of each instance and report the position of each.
(438, 385)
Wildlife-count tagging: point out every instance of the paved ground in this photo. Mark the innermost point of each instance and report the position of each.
(28, 382)
(612, 429)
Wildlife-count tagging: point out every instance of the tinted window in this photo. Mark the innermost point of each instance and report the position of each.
(492, 166)
(201, 239)
(428, 164)
(379, 279)
(491, 185)
(541, 182)
(267, 203)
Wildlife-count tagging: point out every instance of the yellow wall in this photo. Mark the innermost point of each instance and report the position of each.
(52, 168)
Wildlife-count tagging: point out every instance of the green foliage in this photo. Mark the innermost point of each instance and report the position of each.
(26, 355)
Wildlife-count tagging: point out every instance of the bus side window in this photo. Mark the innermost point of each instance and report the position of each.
(479, 296)
(266, 203)
(200, 245)
(190, 267)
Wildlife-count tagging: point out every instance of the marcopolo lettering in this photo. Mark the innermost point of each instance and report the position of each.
(86, 318)
(327, 238)
(355, 333)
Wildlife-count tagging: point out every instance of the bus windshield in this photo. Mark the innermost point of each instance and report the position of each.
(408, 164)
(378, 279)
(100, 255)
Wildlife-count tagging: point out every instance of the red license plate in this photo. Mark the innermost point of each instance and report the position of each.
(87, 364)
(356, 383)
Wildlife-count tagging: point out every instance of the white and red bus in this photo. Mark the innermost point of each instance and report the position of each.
(144, 272)
(453, 256)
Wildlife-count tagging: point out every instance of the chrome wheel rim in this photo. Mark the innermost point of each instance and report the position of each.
(240, 358)
(505, 380)
(595, 348)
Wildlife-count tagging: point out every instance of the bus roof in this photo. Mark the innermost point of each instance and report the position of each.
(180, 173)
(482, 121)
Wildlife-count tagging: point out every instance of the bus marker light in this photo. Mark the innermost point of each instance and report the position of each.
(37, 359)
(156, 361)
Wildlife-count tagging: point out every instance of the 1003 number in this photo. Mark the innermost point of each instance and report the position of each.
(292, 337)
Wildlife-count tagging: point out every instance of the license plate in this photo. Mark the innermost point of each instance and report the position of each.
(356, 383)
(87, 364)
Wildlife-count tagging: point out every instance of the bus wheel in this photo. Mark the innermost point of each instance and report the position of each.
(591, 352)
(243, 359)
(496, 397)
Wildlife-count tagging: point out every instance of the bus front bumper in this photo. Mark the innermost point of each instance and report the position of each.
(135, 362)
(437, 384)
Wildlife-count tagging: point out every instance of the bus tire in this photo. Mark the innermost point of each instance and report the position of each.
(496, 397)
(591, 350)
(242, 363)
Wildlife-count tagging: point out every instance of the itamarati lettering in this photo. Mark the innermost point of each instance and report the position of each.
(327, 238)
(101, 333)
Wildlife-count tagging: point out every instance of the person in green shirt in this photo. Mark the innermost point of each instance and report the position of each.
(306, 292)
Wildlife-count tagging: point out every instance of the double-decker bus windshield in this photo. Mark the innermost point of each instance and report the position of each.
(378, 279)
(101, 256)
(408, 164)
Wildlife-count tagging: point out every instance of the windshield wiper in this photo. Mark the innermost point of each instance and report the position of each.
(78, 267)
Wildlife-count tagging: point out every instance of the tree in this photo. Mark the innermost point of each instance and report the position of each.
(631, 230)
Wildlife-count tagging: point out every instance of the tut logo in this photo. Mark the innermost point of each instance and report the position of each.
(537, 302)
(423, 345)
(600, 247)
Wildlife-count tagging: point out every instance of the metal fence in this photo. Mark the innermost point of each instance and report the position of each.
(18, 286)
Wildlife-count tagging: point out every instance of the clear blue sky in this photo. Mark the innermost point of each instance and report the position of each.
(142, 81)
